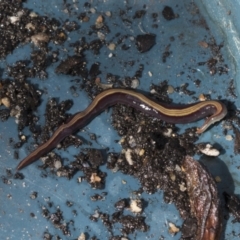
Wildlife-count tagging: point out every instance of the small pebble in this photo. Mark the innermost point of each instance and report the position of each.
(170, 89)
(79, 179)
(101, 36)
(202, 97)
(33, 14)
(82, 237)
(57, 164)
(92, 10)
(14, 19)
(95, 178)
(132, 142)
(20, 13)
(182, 187)
(173, 229)
(99, 22)
(40, 37)
(218, 179)
(6, 102)
(208, 150)
(23, 138)
(124, 182)
(135, 206)
(108, 13)
(229, 137)
(33, 195)
(30, 26)
(142, 151)
(135, 83)
(178, 168)
(168, 132)
(85, 19)
(128, 156)
(112, 46)
(172, 176)
(203, 44)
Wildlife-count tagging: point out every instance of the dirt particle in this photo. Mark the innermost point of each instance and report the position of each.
(168, 13)
(145, 42)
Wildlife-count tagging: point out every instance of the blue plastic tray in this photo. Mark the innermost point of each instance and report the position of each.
(188, 30)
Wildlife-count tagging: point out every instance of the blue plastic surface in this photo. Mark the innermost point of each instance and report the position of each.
(221, 16)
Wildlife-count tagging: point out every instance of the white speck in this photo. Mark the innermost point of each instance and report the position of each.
(182, 187)
(134, 83)
(30, 26)
(129, 156)
(92, 10)
(101, 36)
(112, 46)
(145, 107)
(149, 74)
(40, 37)
(168, 132)
(132, 142)
(33, 14)
(96, 214)
(108, 13)
(135, 206)
(173, 229)
(152, 91)
(13, 19)
(57, 164)
(229, 137)
(208, 150)
(82, 237)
